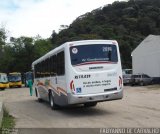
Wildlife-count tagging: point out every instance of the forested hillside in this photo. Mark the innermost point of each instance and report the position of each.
(127, 22)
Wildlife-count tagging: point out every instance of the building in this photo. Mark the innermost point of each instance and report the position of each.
(146, 57)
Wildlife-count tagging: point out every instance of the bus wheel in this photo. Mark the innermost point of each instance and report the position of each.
(40, 100)
(2, 88)
(90, 104)
(52, 103)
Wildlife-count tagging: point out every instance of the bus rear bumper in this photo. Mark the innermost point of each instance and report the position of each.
(15, 84)
(80, 99)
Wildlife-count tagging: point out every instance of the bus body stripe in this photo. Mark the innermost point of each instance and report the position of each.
(57, 90)
(98, 62)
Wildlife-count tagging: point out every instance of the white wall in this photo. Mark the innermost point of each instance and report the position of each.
(146, 57)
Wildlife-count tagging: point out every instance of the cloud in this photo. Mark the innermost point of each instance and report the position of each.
(33, 17)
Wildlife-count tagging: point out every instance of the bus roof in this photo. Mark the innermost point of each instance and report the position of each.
(50, 53)
(2, 73)
(15, 73)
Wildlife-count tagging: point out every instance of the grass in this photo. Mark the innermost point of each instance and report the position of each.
(8, 121)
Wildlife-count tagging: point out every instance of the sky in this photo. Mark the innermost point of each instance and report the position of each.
(41, 17)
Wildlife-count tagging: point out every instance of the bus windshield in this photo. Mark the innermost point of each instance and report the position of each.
(85, 54)
(3, 78)
(14, 78)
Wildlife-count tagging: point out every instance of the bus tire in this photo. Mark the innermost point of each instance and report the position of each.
(2, 88)
(40, 100)
(36, 93)
(90, 104)
(52, 103)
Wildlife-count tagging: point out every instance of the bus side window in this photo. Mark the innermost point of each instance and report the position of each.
(42, 69)
(47, 67)
(39, 69)
(60, 63)
(53, 65)
(36, 70)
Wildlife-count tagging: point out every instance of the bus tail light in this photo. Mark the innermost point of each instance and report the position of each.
(120, 81)
(72, 87)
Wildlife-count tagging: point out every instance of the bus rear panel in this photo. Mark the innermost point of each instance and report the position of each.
(95, 72)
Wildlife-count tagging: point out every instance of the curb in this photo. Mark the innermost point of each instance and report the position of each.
(1, 113)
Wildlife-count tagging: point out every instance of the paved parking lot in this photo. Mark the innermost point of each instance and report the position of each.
(140, 107)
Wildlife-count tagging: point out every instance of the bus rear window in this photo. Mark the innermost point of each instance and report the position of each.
(93, 53)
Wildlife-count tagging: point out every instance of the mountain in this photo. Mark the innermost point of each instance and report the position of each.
(127, 22)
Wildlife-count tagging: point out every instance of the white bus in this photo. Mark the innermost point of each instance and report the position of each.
(79, 72)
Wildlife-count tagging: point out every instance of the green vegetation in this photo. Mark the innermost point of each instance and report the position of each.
(19, 54)
(127, 22)
(8, 121)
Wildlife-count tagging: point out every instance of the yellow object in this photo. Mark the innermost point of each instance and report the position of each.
(3, 81)
(6, 85)
(15, 79)
(15, 84)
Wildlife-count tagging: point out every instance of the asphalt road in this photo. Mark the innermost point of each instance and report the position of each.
(140, 107)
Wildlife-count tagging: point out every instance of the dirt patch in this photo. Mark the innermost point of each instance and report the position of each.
(140, 107)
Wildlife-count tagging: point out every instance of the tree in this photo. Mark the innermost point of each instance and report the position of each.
(2, 44)
(41, 47)
(128, 22)
(2, 39)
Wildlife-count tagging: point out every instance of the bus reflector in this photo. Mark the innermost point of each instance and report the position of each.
(120, 82)
(72, 87)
